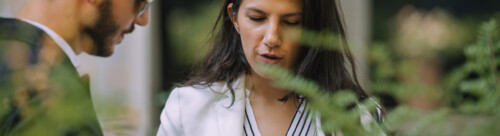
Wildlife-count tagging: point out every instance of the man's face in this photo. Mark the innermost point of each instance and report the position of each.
(116, 18)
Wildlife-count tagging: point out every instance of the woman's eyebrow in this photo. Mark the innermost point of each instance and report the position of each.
(256, 10)
(292, 14)
(265, 13)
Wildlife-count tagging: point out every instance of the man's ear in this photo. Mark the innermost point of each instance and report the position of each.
(233, 17)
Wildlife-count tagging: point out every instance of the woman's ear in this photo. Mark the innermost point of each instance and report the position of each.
(233, 17)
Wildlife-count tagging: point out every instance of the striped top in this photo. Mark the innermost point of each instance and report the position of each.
(303, 123)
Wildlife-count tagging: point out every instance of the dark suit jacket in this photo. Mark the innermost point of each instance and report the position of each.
(40, 96)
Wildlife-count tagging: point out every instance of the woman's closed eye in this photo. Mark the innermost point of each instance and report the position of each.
(260, 19)
(256, 19)
(292, 23)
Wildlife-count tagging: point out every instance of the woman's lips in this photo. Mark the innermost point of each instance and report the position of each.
(270, 58)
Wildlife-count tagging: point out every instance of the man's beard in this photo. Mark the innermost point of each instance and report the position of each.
(103, 31)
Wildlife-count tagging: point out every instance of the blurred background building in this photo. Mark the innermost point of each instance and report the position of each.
(130, 87)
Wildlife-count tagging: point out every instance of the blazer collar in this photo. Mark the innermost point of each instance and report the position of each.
(231, 117)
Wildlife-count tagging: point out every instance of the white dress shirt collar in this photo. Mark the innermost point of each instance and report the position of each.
(60, 42)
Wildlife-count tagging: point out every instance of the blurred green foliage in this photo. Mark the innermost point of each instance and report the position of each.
(189, 32)
(482, 114)
(46, 97)
(332, 108)
(482, 61)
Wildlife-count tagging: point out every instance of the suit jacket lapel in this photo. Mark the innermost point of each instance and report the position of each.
(231, 118)
(63, 73)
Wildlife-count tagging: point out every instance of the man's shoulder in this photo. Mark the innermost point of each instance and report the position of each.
(21, 46)
(9, 22)
(13, 24)
(17, 30)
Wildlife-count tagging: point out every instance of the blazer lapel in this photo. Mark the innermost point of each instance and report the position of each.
(231, 118)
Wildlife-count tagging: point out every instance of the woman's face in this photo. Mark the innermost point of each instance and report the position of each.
(261, 25)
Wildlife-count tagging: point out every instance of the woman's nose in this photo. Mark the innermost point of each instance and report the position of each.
(272, 36)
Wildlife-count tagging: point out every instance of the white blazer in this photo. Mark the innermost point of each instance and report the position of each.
(207, 111)
(204, 111)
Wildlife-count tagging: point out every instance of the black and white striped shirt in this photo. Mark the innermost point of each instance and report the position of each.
(303, 123)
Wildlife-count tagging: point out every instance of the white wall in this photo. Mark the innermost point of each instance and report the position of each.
(10, 8)
(121, 85)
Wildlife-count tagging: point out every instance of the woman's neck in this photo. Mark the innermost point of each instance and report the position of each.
(261, 88)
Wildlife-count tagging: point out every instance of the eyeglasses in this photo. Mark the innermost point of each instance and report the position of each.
(145, 7)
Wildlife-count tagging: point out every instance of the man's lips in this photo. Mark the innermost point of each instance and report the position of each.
(129, 30)
(122, 36)
(270, 58)
(119, 39)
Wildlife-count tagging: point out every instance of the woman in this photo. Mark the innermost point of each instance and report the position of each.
(227, 96)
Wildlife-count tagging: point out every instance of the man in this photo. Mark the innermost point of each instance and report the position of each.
(41, 89)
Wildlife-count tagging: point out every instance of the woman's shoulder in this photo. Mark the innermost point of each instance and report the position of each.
(200, 90)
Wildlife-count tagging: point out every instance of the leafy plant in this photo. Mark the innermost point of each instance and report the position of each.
(483, 114)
